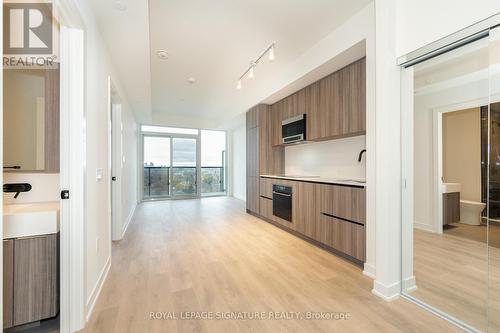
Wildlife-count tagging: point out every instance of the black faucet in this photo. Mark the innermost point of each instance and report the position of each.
(361, 155)
(16, 188)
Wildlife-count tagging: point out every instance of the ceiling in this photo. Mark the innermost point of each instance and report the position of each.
(212, 42)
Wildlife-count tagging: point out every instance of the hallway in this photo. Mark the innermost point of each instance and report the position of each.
(209, 255)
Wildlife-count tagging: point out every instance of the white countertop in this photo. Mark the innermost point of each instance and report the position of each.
(30, 219)
(318, 179)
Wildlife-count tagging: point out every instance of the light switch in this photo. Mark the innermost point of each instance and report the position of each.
(98, 175)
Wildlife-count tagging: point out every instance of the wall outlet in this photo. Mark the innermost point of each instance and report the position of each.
(97, 240)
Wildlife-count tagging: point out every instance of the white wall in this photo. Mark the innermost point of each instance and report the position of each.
(422, 22)
(97, 222)
(462, 152)
(330, 159)
(239, 162)
(129, 165)
(45, 187)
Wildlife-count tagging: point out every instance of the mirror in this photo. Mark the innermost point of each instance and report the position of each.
(31, 120)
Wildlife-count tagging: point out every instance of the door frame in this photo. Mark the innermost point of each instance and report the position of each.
(172, 136)
(115, 163)
(72, 170)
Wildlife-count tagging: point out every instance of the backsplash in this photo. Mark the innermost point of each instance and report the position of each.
(330, 159)
(45, 187)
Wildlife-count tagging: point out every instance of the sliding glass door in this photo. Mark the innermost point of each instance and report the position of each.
(184, 167)
(170, 166)
(213, 163)
(183, 162)
(156, 168)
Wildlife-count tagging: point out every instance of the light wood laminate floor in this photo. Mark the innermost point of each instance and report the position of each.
(209, 255)
(453, 274)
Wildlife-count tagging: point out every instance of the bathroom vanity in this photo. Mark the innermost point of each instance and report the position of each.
(30, 263)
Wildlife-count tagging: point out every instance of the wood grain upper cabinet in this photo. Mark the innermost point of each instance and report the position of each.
(353, 98)
(341, 103)
(329, 106)
(276, 118)
(311, 106)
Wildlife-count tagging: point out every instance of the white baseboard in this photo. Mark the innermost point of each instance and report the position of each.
(97, 289)
(129, 219)
(369, 270)
(409, 284)
(387, 293)
(424, 227)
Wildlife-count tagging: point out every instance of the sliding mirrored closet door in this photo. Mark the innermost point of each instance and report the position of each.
(451, 178)
(493, 195)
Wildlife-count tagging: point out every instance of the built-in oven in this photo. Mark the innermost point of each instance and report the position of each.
(282, 202)
(294, 129)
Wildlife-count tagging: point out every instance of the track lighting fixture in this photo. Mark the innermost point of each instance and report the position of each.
(251, 68)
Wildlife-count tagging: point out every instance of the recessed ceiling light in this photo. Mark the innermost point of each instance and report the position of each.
(119, 5)
(162, 54)
(191, 80)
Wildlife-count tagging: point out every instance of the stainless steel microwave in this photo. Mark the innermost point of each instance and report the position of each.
(294, 129)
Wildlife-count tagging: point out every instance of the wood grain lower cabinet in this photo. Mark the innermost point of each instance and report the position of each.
(266, 208)
(346, 237)
(36, 279)
(8, 282)
(266, 187)
(306, 208)
(345, 202)
(253, 194)
(333, 215)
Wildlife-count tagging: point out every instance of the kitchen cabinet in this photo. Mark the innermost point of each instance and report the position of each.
(31, 279)
(335, 106)
(312, 107)
(8, 282)
(346, 237)
(307, 208)
(276, 118)
(262, 157)
(266, 187)
(253, 194)
(345, 202)
(353, 99)
(331, 214)
(329, 106)
(266, 208)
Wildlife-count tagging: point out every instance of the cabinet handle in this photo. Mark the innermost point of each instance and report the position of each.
(342, 219)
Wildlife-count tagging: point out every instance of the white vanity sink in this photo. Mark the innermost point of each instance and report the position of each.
(450, 187)
(30, 219)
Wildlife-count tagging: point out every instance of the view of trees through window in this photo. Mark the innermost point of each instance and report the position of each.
(213, 150)
(170, 163)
